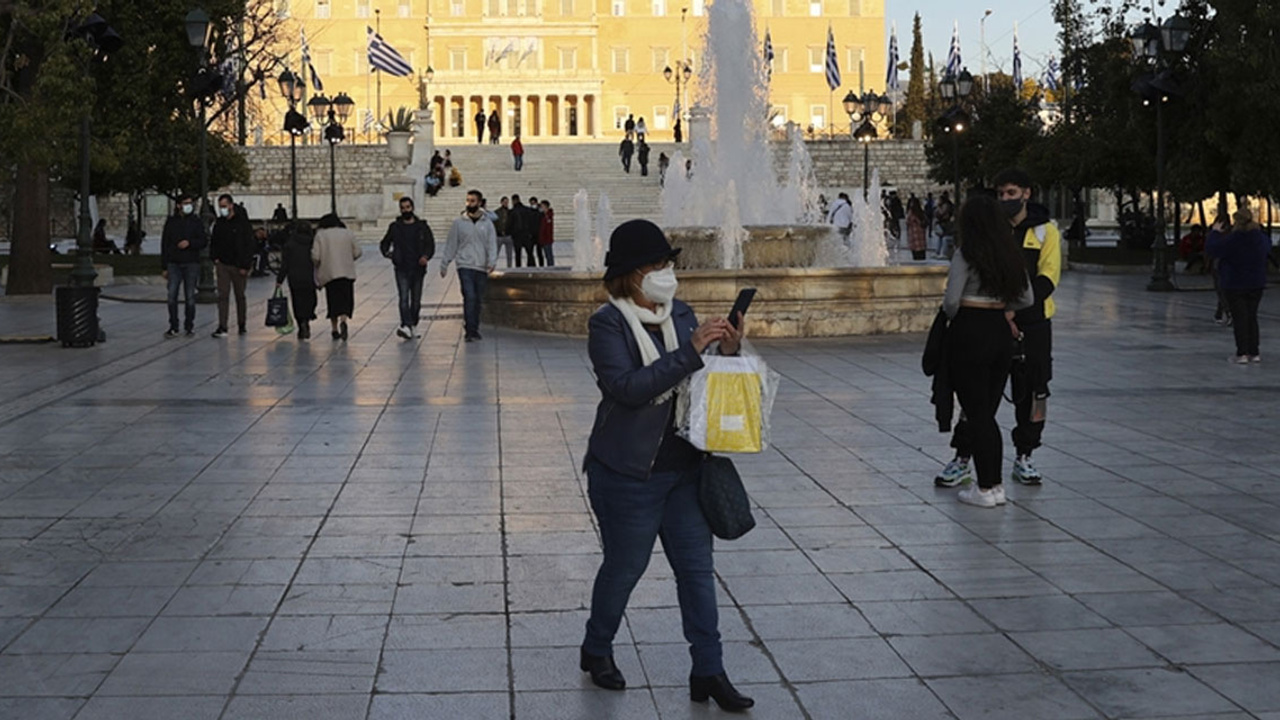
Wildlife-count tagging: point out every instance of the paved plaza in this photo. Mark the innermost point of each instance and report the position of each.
(254, 527)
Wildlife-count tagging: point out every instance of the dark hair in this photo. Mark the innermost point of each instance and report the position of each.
(532, 199)
(844, 196)
(479, 195)
(914, 207)
(406, 199)
(330, 221)
(987, 243)
(1012, 176)
(185, 196)
(227, 196)
(515, 199)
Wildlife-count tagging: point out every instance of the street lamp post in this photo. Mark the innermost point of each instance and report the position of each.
(955, 89)
(681, 74)
(867, 110)
(333, 113)
(1159, 46)
(102, 40)
(295, 123)
(199, 30)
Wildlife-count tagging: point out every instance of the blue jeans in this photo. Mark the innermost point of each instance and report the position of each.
(409, 287)
(472, 283)
(186, 274)
(519, 162)
(632, 513)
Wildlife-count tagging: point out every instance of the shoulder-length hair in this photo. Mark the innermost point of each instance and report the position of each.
(988, 245)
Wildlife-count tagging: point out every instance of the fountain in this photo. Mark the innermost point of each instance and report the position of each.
(740, 225)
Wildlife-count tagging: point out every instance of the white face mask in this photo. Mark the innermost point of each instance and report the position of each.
(223, 212)
(188, 208)
(660, 286)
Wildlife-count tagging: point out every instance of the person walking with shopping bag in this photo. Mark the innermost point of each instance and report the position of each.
(335, 252)
(641, 476)
(299, 271)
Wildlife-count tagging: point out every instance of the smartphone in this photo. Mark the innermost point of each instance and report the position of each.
(741, 304)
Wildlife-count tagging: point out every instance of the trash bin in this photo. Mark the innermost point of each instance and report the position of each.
(77, 316)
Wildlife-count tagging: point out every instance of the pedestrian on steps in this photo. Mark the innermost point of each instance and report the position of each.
(547, 236)
(625, 151)
(642, 154)
(479, 127)
(495, 127)
(517, 153)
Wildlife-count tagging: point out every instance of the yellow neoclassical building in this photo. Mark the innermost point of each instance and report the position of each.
(575, 69)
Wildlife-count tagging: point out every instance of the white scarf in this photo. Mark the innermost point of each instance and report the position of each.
(637, 317)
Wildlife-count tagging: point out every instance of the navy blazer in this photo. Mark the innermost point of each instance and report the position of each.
(629, 428)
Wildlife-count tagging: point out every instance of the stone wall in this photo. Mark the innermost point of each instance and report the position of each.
(359, 169)
(837, 163)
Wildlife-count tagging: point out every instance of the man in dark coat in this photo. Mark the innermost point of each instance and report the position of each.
(523, 225)
(495, 127)
(479, 126)
(410, 245)
(231, 249)
(625, 151)
(180, 246)
(642, 154)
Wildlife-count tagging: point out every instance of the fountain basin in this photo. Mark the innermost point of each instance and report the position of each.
(790, 303)
(767, 246)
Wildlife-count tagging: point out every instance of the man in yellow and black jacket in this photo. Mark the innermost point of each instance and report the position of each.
(1041, 244)
(1042, 251)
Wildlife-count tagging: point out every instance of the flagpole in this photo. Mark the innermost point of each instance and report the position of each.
(378, 14)
(831, 92)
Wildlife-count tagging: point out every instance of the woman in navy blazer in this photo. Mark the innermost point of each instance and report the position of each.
(641, 476)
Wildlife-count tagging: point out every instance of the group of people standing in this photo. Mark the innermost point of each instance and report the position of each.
(526, 232)
(998, 303)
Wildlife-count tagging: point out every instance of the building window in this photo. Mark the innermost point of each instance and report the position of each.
(699, 7)
(494, 8)
(513, 8)
(620, 57)
(362, 9)
(568, 58)
(457, 58)
(620, 113)
(818, 116)
(619, 8)
(323, 60)
(659, 8)
(815, 8)
(854, 57)
(362, 62)
(661, 117)
(456, 8)
(566, 7)
(661, 59)
(817, 59)
(777, 115)
(781, 60)
(855, 8)
(322, 9)
(405, 9)
(779, 8)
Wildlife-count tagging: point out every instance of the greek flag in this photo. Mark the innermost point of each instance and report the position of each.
(1017, 62)
(368, 119)
(385, 58)
(833, 64)
(953, 56)
(306, 61)
(891, 77)
(768, 54)
(230, 69)
(1050, 78)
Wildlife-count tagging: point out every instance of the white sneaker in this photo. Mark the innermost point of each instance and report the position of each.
(974, 495)
(1238, 359)
(1024, 472)
(1255, 358)
(955, 473)
(404, 332)
(998, 491)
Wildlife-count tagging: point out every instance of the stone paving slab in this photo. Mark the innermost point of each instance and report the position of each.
(256, 527)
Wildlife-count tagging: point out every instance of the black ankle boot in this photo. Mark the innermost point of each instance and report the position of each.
(604, 673)
(718, 688)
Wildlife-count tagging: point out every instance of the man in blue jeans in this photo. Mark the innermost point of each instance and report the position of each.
(180, 246)
(473, 243)
(409, 244)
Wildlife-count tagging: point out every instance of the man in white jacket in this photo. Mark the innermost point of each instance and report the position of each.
(841, 216)
(473, 244)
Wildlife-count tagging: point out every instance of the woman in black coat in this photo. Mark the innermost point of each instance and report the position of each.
(641, 476)
(297, 268)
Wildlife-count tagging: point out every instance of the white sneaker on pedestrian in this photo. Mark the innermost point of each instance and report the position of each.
(1238, 359)
(955, 473)
(404, 332)
(1255, 358)
(998, 491)
(976, 496)
(1024, 472)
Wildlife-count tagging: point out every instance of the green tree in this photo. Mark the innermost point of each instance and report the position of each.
(1002, 129)
(915, 108)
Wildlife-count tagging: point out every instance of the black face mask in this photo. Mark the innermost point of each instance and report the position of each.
(1011, 208)
(406, 215)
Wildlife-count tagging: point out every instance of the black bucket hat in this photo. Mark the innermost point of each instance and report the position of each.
(634, 244)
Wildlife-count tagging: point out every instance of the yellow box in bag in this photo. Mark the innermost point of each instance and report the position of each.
(733, 412)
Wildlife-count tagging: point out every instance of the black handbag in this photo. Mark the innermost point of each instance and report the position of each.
(723, 499)
(278, 310)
